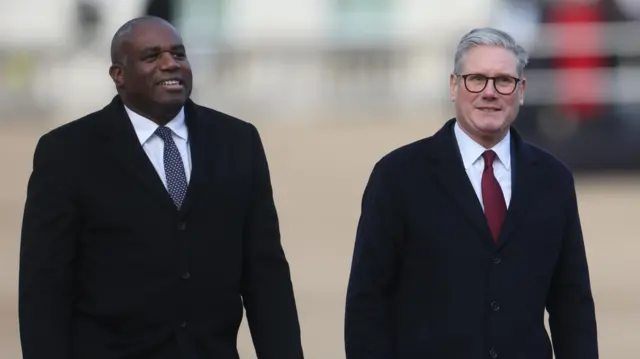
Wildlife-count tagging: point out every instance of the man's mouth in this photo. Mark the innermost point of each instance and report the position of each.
(174, 84)
(489, 109)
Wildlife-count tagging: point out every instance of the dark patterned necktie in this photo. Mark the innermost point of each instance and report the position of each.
(495, 208)
(173, 167)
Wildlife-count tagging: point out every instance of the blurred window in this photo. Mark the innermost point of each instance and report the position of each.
(363, 18)
(89, 21)
(161, 8)
(201, 22)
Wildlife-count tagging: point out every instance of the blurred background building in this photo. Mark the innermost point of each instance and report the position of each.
(285, 60)
(248, 55)
(333, 85)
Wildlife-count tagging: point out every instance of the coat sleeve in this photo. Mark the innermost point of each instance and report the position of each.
(570, 303)
(47, 250)
(267, 289)
(367, 317)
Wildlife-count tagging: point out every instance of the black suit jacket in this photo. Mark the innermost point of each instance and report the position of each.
(109, 268)
(428, 281)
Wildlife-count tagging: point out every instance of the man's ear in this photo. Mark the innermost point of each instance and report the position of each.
(453, 87)
(523, 87)
(116, 73)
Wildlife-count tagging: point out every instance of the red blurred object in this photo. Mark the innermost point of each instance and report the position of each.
(579, 84)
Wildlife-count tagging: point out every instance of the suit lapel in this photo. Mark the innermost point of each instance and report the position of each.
(454, 180)
(524, 180)
(125, 150)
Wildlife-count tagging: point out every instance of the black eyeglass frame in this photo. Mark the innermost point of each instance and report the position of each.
(493, 79)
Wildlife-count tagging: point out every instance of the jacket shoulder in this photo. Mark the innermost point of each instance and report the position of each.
(225, 121)
(406, 157)
(75, 129)
(551, 164)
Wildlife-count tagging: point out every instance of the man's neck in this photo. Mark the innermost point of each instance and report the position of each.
(161, 116)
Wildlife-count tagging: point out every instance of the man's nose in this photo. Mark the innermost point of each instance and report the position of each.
(168, 62)
(489, 90)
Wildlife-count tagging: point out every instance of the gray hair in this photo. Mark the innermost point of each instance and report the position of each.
(488, 36)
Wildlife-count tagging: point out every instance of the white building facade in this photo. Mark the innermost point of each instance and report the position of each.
(273, 58)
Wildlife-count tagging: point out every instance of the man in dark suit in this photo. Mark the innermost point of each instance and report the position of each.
(150, 223)
(467, 236)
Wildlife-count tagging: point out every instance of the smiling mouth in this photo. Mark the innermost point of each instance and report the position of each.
(488, 109)
(171, 84)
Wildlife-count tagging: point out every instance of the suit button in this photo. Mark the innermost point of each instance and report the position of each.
(493, 353)
(496, 259)
(186, 275)
(495, 306)
(183, 324)
(182, 226)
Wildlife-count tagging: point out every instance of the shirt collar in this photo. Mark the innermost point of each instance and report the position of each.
(145, 128)
(471, 151)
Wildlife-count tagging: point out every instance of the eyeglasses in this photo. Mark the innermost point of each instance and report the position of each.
(476, 83)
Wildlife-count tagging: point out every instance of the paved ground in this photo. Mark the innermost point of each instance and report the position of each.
(319, 172)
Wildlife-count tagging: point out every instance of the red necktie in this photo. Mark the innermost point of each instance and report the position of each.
(495, 208)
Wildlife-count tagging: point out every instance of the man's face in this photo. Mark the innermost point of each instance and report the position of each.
(156, 71)
(486, 112)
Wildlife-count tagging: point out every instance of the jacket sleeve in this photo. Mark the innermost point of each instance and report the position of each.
(570, 303)
(373, 269)
(47, 249)
(267, 289)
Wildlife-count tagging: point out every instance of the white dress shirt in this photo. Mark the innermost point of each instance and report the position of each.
(153, 145)
(473, 162)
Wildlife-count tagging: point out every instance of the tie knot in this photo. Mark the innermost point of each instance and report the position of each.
(164, 133)
(489, 156)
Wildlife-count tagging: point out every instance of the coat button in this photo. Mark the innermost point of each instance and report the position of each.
(496, 259)
(182, 226)
(183, 324)
(495, 306)
(186, 275)
(493, 353)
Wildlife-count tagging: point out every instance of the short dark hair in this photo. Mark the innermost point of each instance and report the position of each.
(123, 32)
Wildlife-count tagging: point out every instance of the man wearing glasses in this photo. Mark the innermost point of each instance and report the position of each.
(467, 236)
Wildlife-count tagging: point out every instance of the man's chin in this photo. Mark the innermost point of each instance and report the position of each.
(492, 129)
(170, 102)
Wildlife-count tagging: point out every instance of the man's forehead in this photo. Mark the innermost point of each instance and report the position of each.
(490, 60)
(153, 33)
